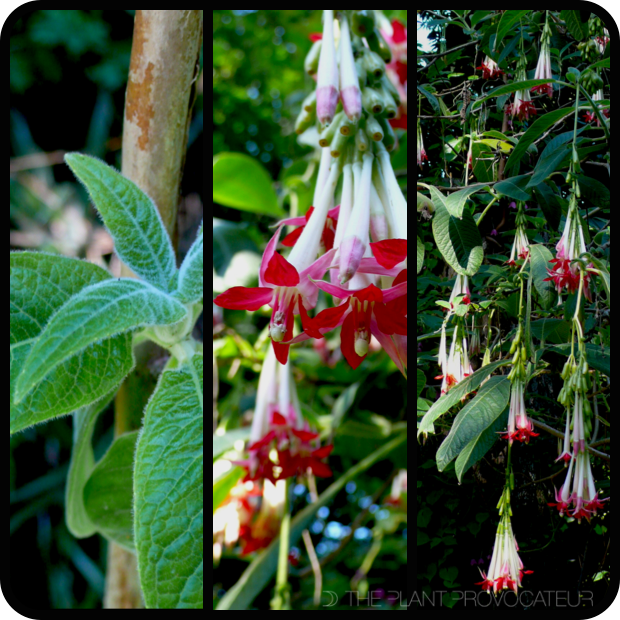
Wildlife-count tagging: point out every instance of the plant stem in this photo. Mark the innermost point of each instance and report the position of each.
(158, 105)
(282, 598)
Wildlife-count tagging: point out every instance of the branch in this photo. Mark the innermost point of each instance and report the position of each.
(454, 49)
(560, 435)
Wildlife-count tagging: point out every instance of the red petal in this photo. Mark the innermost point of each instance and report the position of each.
(290, 239)
(242, 298)
(280, 272)
(389, 252)
(305, 436)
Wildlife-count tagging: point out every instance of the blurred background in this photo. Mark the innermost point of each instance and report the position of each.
(68, 73)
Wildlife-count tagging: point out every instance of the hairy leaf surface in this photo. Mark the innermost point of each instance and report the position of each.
(40, 284)
(82, 465)
(191, 274)
(140, 238)
(168, 488)
(99, 311)
(108, 494)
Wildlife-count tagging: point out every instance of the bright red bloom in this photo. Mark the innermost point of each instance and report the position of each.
(368, 311)
(283, 288)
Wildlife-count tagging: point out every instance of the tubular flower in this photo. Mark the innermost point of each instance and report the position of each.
(349, 83)
(522, 105)
(543, 68)
(490, 69)
(369, 311)
(422, 156)
(506, 568)
(328, 78)
(570, 247)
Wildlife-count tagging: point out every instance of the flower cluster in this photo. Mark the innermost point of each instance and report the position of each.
(506, 568)
(490, 69)
(566, 270)
(455, 366)
(543, 68)
(578, 490)
(357, 233)
(282, 445)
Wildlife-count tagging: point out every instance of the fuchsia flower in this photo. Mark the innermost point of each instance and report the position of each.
(590, 117)
(283, 288)
(278, 425)
(543, 68)
(522, 105)
(506, 568)
(381, 313)
(490, 69)
(422, 156)
(570, 247)
(520, 427)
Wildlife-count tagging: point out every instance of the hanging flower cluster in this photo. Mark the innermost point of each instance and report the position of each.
(490, 69)
(521, 244)
(455, 366)
(359, 233)
(565, 273)
(543, 68)
(506, 568)
(282, 445)
(578, 490)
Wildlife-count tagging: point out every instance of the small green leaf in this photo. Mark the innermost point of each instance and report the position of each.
(223, 485)
(82, 465)
(168, 483)
(241, 182)
(191, 275)
(140, 238)
(99, 311)
(108, 494)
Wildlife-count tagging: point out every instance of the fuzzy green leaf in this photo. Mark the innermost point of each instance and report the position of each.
(82, 465)
(108, 494)
(99, 311)
(140, 238)
(191, 275)
(168, 484)
(40, 284)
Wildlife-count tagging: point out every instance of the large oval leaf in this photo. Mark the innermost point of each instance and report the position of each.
(168, 486)
(99, 311)
(40, 284)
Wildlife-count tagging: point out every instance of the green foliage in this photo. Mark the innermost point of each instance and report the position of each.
(72, 329)
(491, 181)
